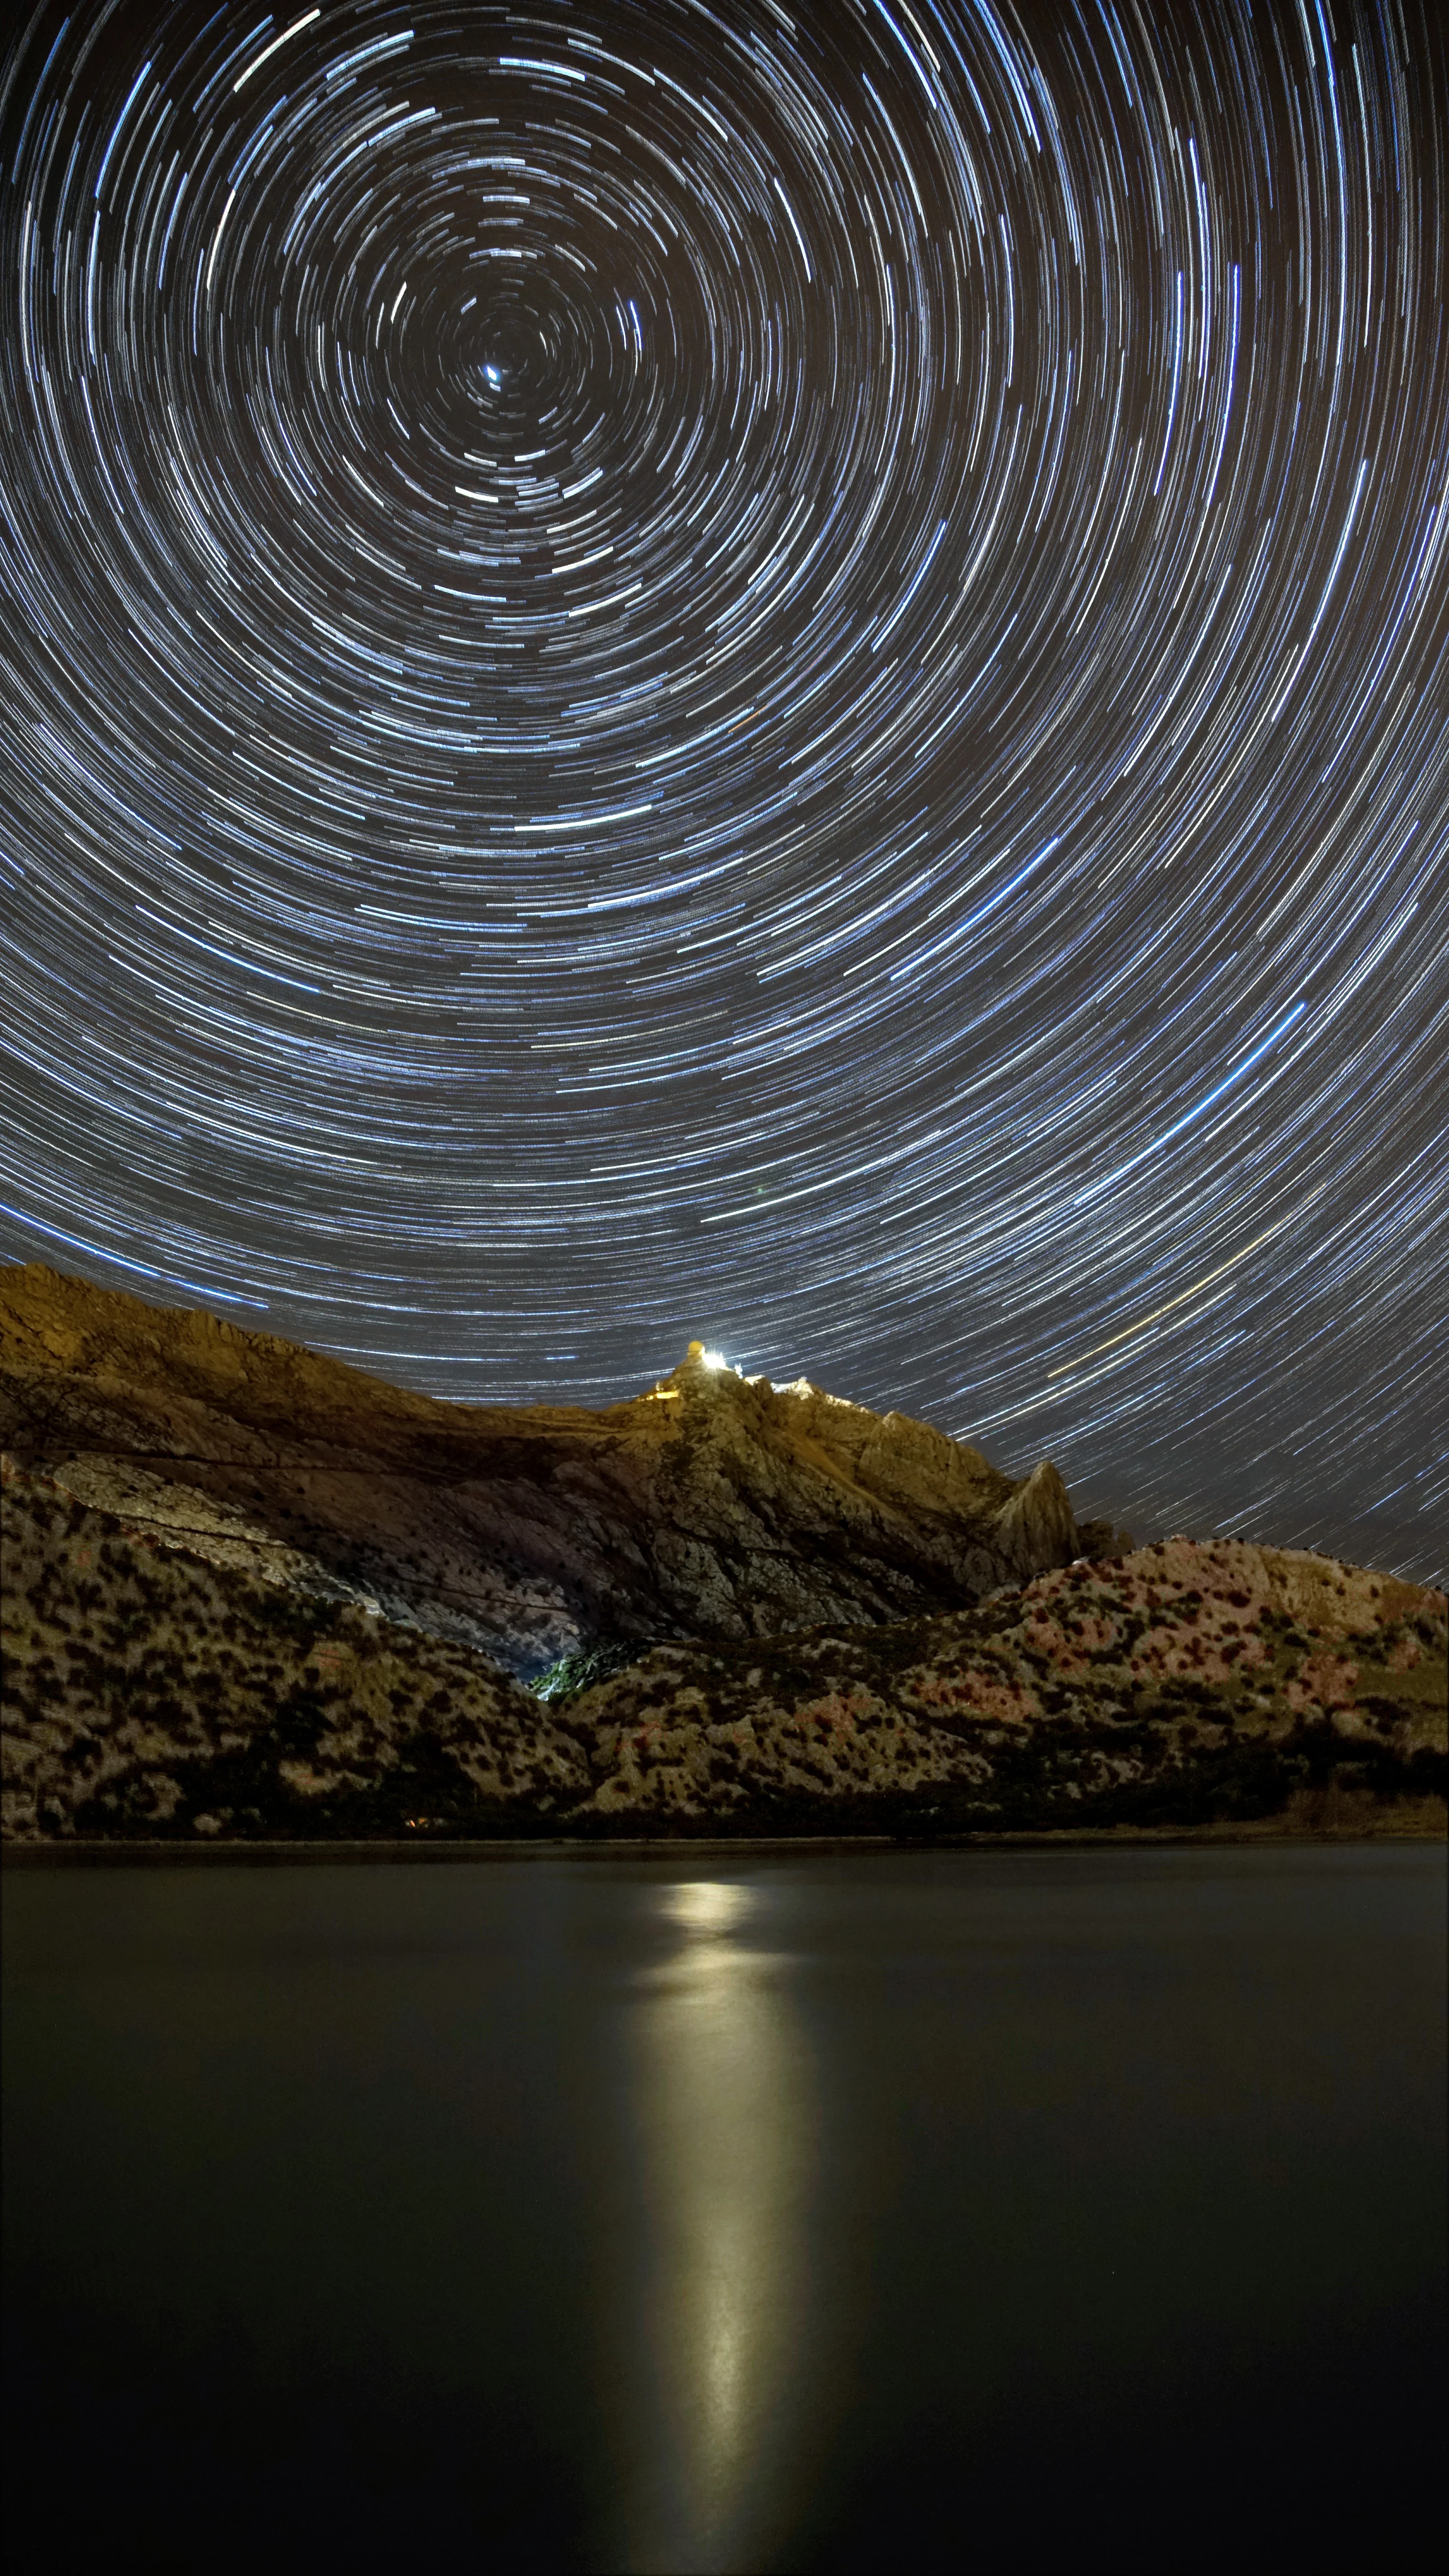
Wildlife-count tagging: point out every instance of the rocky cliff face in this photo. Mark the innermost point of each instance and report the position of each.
(709, 1506)
(1184, 1685)
(154, 1691)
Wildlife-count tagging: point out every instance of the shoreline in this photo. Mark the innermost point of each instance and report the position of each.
(391, 1850)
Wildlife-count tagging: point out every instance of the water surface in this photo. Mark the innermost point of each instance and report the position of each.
(746, 2211)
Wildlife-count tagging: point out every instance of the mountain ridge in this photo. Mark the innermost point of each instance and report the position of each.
(153, 1694)
(250, 1593)
(709, 1504)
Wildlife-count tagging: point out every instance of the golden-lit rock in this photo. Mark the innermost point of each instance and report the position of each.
(151, 1687)
(709, 1505)
(1187, 1686)
(250, 1592)
(154, 1688)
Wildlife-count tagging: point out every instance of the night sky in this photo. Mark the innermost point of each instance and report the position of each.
(769, 673)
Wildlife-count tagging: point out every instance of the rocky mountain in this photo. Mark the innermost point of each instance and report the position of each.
(152, 1690)
(149, 1689)
(1184, 1684)
(709, 1506)
(250, 1592)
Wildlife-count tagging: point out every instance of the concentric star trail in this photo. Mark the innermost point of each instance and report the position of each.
(766, 672)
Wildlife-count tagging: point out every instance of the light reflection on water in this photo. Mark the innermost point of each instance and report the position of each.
(725, 2114)
(747, 2214)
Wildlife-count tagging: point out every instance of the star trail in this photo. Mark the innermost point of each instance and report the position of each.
(758, 672)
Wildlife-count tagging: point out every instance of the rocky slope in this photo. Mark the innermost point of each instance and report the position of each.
(709, 1506)
(1183, 1685)
(150, 1690)
(155, 1691)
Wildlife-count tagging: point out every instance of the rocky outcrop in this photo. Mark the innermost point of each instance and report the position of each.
(711, 1505)
(154, 1691)
(1186, 1685)
(1036, 1528)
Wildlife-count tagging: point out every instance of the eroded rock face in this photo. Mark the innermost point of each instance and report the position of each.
(1184, 1685)
(711, 1505)
(149, 1690)
(154, 1691)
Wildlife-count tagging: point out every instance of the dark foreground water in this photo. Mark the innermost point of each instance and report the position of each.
(1038, 2211)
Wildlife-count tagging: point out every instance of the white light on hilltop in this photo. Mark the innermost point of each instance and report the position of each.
(713, 1359)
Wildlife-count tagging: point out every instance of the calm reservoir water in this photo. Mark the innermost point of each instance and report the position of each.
(762, 2211)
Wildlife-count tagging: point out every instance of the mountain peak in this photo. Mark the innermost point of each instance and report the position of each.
(710, 1505)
